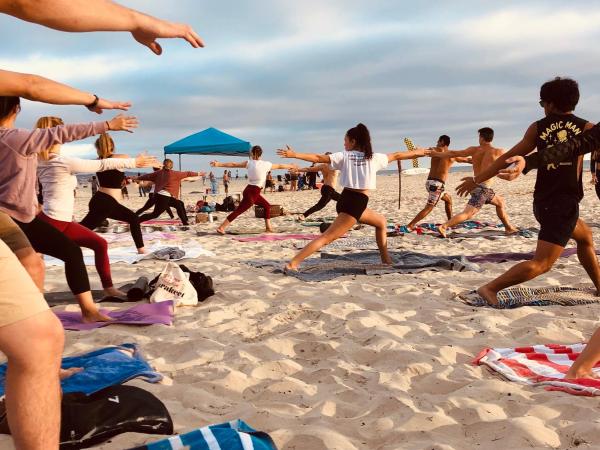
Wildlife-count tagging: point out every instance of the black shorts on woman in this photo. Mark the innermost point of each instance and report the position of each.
(352, 203)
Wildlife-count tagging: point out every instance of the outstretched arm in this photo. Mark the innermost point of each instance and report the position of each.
(318, 168)
(464, 160)
(241, 165)
(40, 89)
(454, 153)
(289, 152)
(400, 156)
(99, 15)
(285, 166)
(514, 155)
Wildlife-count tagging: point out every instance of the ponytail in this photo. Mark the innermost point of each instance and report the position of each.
(105, 146)
(48, 122)
(256, 152)
(361, 136)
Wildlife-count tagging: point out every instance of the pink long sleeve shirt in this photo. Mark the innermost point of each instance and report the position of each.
(18, 163)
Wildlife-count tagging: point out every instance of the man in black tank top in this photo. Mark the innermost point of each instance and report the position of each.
(558, 189)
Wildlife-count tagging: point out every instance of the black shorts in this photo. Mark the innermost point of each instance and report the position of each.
(352, 203)
(557, 219)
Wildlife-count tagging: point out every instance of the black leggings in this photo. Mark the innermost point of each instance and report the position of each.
(163, 202)
(327, 194)
(597, 185)
(150, 203)
(103, 206)
(48, 240)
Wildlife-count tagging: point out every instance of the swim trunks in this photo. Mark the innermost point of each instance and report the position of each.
(20, 298)
(481, 195)
(557, 219)
(352, 203)
(11, 234)
(435, 189)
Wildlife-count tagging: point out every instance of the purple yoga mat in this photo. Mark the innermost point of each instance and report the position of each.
(277, 237)
(142, 314)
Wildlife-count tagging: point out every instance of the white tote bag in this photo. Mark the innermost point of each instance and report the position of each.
(174, 284)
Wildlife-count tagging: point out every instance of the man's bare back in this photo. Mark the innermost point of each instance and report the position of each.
(483, 157)
(440, 166)
(330, 176)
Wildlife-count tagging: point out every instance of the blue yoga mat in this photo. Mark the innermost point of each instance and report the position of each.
(102, 368)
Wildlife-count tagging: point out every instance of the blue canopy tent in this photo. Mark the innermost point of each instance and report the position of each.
(208, 142)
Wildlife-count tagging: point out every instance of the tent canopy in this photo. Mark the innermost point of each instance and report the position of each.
(209, 142)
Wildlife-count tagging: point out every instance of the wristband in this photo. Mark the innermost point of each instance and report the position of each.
(108, 125)
(93, 105)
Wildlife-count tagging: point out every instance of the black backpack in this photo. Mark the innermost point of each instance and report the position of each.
(202, 283)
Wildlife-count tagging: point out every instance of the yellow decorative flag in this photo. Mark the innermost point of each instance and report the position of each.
(410, 147)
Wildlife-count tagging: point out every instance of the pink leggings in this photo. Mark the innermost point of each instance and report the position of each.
(251, 196)
(84, 237)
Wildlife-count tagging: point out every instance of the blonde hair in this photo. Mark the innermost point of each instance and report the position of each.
(48, 122)
(105, 146)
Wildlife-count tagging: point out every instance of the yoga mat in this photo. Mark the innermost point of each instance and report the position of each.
(549, 296)
(516, 256)
(331, 266)
(143, 314)
(541, 365)
(277, 237)
(130, 255)
(105, 367)
(234, 435)
(67, 298)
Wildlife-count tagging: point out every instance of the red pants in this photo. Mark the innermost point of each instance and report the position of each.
(85, 237)
(251, 196)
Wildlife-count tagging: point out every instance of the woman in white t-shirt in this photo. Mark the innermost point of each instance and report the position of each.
(358, 166)
(257, 176)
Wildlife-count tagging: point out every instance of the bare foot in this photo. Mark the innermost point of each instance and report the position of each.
(301, 218)
(142, 251)
(410, 228)
(94, 316)
(114, 292)
(221, 231)
(488, 295)
(511, 230)
(575, 373)
(66, 373)
(269, 230)
(442, 230)
(387, 260)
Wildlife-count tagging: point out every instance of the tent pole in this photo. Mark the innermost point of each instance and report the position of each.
(180, 161)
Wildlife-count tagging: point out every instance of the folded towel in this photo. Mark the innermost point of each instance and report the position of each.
(517, 297)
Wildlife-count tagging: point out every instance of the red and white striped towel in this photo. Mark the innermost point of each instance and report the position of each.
(540, 365)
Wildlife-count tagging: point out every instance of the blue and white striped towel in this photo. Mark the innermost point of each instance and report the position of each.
(234, 435)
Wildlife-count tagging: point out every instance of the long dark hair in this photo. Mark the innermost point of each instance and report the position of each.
(360, 134)
(256, 152)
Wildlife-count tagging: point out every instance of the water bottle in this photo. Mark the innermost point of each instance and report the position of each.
(210, 217)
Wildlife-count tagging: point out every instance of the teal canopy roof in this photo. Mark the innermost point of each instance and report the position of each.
(209, 142)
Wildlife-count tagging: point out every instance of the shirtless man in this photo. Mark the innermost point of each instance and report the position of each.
(483, 156)
(328, 191)
(436, 182)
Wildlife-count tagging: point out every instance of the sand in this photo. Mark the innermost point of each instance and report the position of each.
(359, 362)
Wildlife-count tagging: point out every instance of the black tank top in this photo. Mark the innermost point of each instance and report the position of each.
(554, 180)
(112, 179)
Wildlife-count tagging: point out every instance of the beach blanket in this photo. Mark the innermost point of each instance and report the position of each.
(540, 365)
(516, 256)
(113, 238)
(234, 435)
(277, 237)
(142, 314)
(486, 230)
(102, 368)
(190, 249)
(548, 296)
(66, 297)
(331, 266)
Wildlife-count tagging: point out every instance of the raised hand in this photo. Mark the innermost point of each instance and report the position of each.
(151, 28)
(214, 164)
(287, 152)
(516, 167)
(108, 104)
(123, 123)
(145, 160)
(467, 185)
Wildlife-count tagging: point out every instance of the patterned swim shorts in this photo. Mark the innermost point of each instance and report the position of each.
(481, 195)
(435, 189)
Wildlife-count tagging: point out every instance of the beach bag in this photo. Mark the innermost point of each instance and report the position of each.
(174, 284)
(202, 283)
(276, 211)
(90, 420)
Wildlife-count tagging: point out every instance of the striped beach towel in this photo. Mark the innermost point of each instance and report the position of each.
(540, 365)
(234, 435)
(550, 296)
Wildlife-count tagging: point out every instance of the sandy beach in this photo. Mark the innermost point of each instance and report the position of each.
(359, 362)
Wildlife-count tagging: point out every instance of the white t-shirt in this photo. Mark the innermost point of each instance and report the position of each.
(57, 177)
(358, 172)
(257, 172)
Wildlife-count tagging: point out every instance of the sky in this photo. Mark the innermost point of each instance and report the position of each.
(277, 72)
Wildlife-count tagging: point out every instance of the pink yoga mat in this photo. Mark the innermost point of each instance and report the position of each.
(277, 237)
(142, 314)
